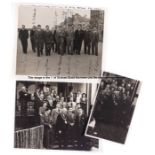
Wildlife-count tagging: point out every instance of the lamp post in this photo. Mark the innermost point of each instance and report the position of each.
(56, 15)
(34, 16)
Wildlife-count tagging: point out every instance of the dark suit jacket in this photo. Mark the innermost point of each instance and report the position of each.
(87, 36)
(79, 34)
(24, 96)
(48, 37)
(39, 36)
(23, 34)
(70, 117)
(32, 34)
(95, 37)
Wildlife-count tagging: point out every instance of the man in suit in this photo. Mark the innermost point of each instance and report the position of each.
(57, 39)
(37, 104)
(70, 39)
(59, 124)
(62, 37)
(48, 38)
(39, 36)
(80, 125)
(87, 40)
(46, 121)
(24, 97)
(71, 104)
(54, 39)
(43, 108)
(78, 38)
(95, 40)
(80, 121)
(65, 39)
(70, 124)
(56, 112)
(32, 38)
(23, 36)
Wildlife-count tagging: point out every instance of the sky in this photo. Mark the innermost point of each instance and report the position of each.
(46, 15)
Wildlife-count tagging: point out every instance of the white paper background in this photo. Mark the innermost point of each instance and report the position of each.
(128, 50)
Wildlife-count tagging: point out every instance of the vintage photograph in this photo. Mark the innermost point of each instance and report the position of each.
(59, 41)
(113, 108)
(53, 115)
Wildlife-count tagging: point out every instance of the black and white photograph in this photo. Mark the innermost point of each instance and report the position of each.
(114, 105)
(59, 41)
(53, 115)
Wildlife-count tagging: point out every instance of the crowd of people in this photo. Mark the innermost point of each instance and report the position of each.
(61, 40)
(64, 118)
(114, 101)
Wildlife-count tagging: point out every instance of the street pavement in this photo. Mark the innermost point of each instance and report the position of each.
(56, 65)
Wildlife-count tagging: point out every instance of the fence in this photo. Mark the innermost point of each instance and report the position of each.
(29, 138)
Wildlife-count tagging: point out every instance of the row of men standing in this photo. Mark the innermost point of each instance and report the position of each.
(60, 40)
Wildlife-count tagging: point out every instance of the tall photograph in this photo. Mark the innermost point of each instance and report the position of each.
(113, 108)
(59, 41)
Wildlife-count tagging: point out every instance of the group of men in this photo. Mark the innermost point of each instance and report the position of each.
(64, 119)
(114, 101)
(62, 40)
